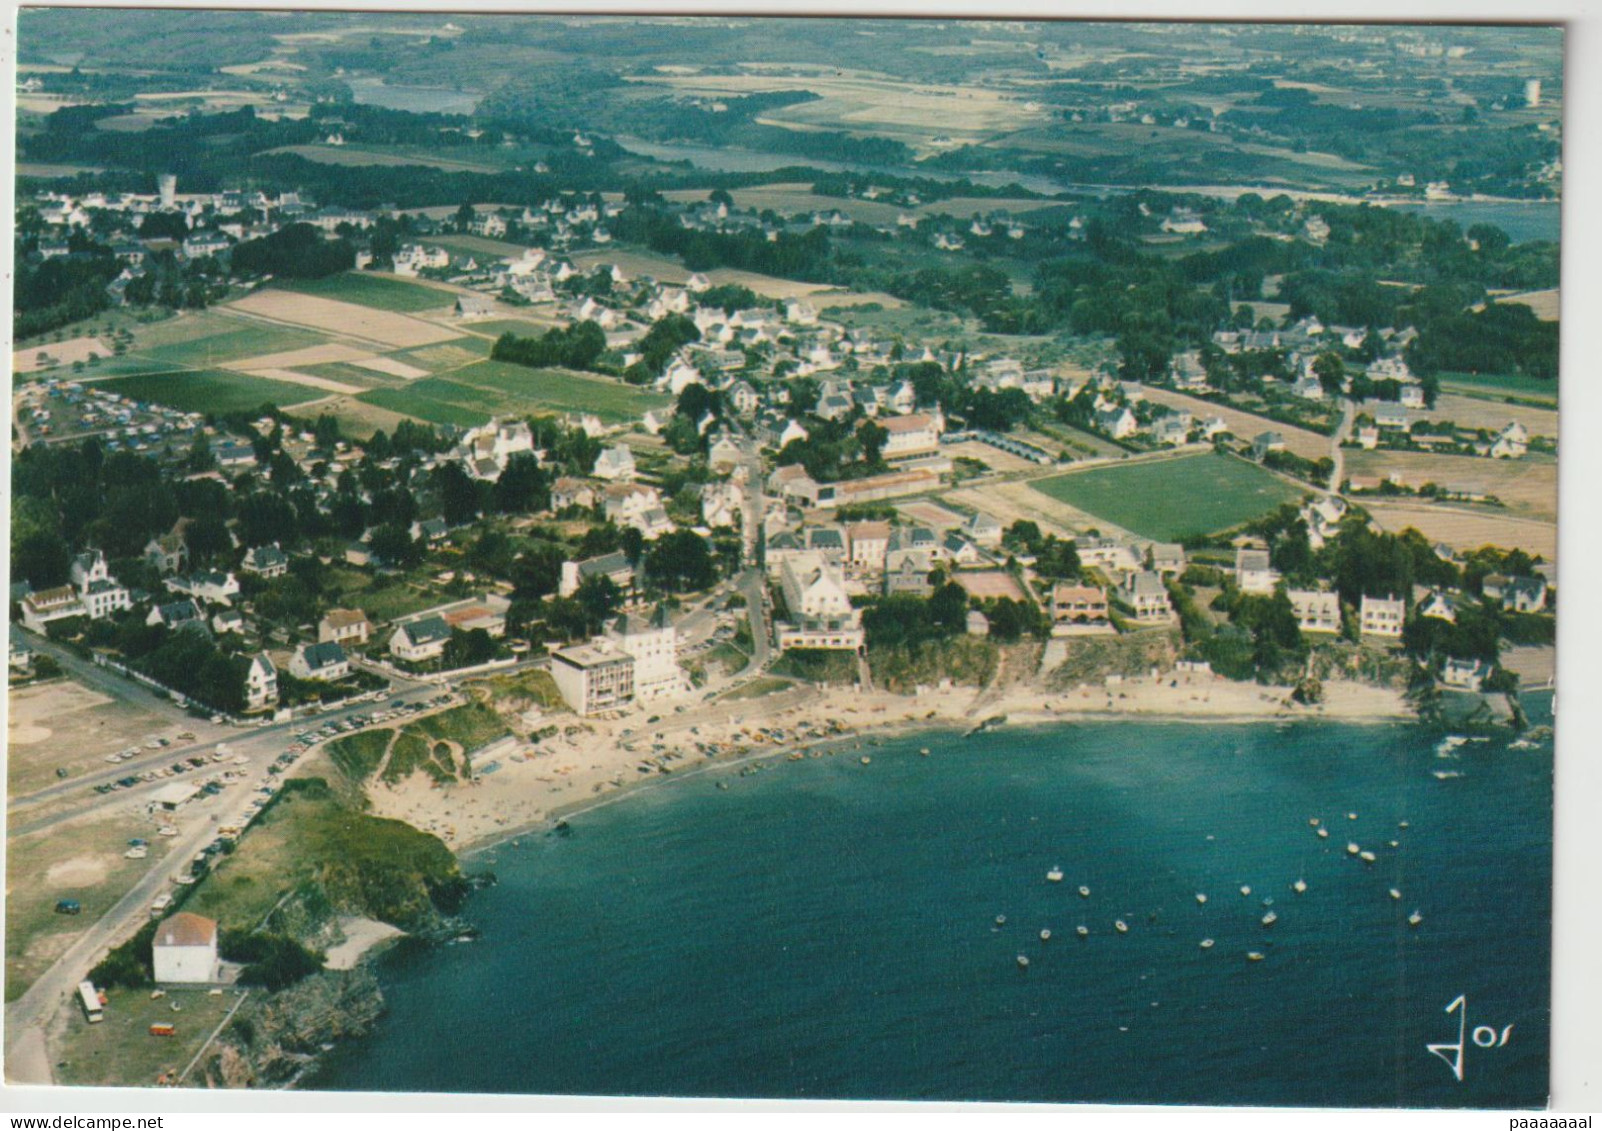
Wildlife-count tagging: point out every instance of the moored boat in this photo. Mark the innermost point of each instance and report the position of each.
(1055, 875)
(1120, 926)
(1299, 886)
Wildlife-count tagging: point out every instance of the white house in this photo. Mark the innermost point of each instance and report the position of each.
(344, 626)
(265, 561)
(1511, 443)
(1316, 611)
(319, 661)
(615, 463)
(914, 434)
(184, 950)
(1144, 592)
(261, 683)
(1381, 616)
(821, 613)
(420, 640)
(1253, 574)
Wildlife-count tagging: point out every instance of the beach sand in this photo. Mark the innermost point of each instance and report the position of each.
(591, 762)
(361, 935)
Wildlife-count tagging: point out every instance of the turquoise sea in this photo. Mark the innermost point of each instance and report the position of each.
(828, 929)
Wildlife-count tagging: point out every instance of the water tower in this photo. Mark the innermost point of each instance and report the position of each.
(167, 183)
(1532, 93)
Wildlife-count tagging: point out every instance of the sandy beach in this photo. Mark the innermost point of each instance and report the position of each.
(361, 935)
(594, 760)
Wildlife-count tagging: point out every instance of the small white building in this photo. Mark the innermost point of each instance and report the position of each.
(615, 463)
(594, 677)
(319, 661)
(1316, 611)
(261, 683)
(420, 640)
(1253, 573)
(344, 626)
(184, 950)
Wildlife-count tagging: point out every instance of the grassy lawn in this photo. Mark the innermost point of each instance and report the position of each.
(358, 755)
(1171, 498)
(383, 604)
(525, 390)
(227, 340)
(215, 391)
(121, 1051)
(377, 291)
(410, 402)
(80, 860)
(533, 686)
(1497, 385)
(472, 394)
(470, 726)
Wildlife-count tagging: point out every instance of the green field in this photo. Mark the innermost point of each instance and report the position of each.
(225, 340)
(200, 391)
(377, 291)
(473, 393)
(1170, 499)
(1498, 385)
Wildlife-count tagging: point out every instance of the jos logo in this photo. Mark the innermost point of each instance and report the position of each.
(1482, 1036)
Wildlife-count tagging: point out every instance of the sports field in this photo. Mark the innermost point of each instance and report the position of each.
(381, 292)
(201, 391)
(1169, 499)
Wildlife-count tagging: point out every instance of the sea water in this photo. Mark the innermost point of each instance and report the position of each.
(829, 929)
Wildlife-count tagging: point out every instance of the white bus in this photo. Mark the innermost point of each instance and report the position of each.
(89, 998)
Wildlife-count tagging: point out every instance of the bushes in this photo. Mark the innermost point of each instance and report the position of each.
(129, 964)
(271, 961)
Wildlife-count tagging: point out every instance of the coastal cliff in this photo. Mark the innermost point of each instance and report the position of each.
(277, 1038)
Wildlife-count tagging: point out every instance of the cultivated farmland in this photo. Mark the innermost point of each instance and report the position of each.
(1168, 499)
(381, 292)
(202, 391)
(346, 319)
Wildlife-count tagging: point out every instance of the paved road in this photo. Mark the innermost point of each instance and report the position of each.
(199, 819)
(1336, 452)
(755, 587)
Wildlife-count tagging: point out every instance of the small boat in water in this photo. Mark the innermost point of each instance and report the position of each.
(1414, 919)
(1201, 898)
(1001, 920)
(924, 751)
(1254, 956)
(1121, 926)
(1023, 962)
(1245, 889)
(1323, 833)
(1401, 824)
(1395, 894)
(1045, 935)
(1446, 775)
(1270, 919)
(1299, 886)
(1084, 892)
(1082, 932)
(1313, 821)
(1055, 875)
(1351, 848)
(1367, 857)
(1207, 944)
(1351, 816)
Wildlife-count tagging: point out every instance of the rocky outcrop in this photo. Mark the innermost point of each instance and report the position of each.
(277, 1037)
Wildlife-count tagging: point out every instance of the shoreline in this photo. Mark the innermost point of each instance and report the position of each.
(1170, 700)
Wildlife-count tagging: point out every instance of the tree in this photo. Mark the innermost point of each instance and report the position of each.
(871, 437)
(468, 649)
(458, 494)
(463, 220)
(680, 562)
(536, 572)
(523, 487)
(394, 543)
(598, 600)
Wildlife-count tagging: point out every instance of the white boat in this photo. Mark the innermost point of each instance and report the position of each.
(1299, 886)
(1121, 926)
(1082, 932)
(1401, 824)
(1414, 919)
(1313, 821)
(1201, 898)
(924, 751)
(1055, 875)
(1351, 816)
(1045, 935)
(1084, 892)
(1207, 944)
(1254, 956)
(1446, 775)
(1270, 919)
(1367, 857)
(1393, 844)
(1023, 962)
(1001, 920)
(1323, 832)
(1351, 848)
(1245, 889)
(1395, 894)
